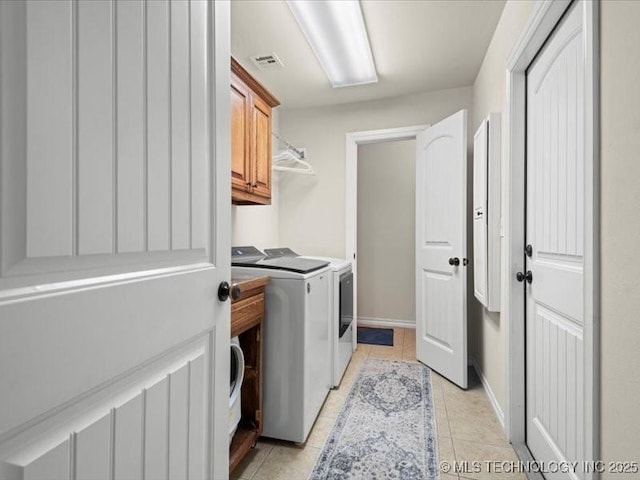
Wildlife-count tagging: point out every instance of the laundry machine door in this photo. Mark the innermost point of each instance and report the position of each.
(235, 385)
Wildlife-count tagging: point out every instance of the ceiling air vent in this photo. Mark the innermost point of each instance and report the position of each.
(267, 62)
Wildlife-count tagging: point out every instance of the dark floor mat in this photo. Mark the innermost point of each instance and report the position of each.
(375, 336)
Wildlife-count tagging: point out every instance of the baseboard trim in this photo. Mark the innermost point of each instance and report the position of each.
(385, 322)
(487, 388)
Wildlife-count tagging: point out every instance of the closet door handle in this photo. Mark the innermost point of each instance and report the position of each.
(521, 277)
(454, 261)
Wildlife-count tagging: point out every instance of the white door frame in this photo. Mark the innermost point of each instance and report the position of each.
(351, 191)
(545, 18)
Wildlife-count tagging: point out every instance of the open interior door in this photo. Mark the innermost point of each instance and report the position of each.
(114, 237)
(441, 246)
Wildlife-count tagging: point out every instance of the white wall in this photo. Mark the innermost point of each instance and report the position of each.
(312, 212)
(486, 330)
(386, 230)
(258, 224)
(620, 232)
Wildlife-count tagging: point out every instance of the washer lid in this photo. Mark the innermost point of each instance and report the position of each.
(280, 252)
(252, 257)
(337, 264)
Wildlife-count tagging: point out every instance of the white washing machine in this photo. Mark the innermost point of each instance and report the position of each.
(236, 378)
(297, 347)
(341, 310)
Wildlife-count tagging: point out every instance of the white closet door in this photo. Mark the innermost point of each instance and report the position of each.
(555, 230)
(113, 239)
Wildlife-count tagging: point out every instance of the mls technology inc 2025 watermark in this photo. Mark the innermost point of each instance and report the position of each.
(539, 467)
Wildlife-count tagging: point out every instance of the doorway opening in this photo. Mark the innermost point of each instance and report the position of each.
(386, 233)
(353, 141)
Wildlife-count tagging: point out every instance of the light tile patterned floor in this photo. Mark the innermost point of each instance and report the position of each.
(468, 429)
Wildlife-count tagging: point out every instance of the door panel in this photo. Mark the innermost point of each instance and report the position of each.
(158, 121)
(441, 321)
(49, 218)
(180, 127)
(53, 464)
(92, 450)
(130, 133)
(109, 214)
(165, 413)
(95, 117)
(555, 229)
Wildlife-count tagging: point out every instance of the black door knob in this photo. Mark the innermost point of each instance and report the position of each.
(454, 261)
(223, 291)
(521, 277)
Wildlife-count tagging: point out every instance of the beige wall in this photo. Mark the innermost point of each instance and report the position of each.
(386, 230)
(312, 212)
(486, 330)
(620, 231)
(620, 222)
(258, 225)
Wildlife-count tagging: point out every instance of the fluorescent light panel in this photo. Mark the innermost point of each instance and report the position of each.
(336, 32)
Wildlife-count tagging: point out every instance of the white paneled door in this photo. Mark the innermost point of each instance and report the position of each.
(555, 260)
(441, 248)
(114, 222)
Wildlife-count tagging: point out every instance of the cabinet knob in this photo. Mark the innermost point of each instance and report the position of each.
(236, 292)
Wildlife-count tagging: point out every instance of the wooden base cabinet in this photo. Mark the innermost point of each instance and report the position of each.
(251, 106)
(247, 316)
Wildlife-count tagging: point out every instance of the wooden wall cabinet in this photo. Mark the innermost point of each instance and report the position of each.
(251, 106)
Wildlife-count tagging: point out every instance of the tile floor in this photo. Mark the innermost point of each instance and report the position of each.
(468, 429)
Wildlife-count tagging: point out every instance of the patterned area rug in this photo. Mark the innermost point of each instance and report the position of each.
(386, 429)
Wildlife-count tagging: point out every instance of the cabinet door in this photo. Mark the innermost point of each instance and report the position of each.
(480, 213)
(240, 126)
(261, 148)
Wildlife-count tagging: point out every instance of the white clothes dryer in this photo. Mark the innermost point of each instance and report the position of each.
(341, 326)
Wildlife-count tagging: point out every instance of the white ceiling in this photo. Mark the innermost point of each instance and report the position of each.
(418, 46)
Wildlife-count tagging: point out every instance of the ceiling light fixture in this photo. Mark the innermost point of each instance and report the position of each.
(337, 34)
